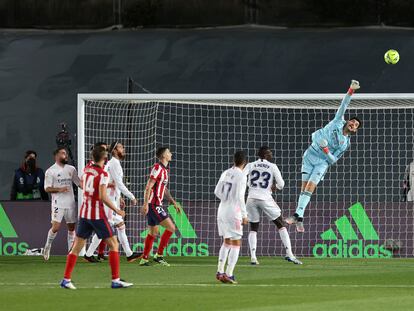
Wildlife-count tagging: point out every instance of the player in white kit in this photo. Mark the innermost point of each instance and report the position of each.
(231, 216)
(263, 176)
(58, 182)
(116, 175)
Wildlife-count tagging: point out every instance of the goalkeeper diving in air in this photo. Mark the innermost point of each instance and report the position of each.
(328, 145)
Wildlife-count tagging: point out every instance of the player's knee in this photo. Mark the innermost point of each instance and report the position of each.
(279, 222)
(112, 244)
(120, 225)
(311, 186)
(254, 226)
(77, 246)
(71, 227)
(55, 227)
(153, 231)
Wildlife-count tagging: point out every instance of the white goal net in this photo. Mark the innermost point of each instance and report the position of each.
(357, 211)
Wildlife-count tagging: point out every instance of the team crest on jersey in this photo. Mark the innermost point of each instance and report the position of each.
(155, 171)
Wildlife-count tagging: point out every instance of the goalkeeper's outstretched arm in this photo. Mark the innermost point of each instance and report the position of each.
(346, 100)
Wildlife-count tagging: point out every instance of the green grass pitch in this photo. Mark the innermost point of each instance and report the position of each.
(28, 283)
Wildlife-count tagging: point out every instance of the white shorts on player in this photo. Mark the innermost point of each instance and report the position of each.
(255, 207)
(232, 230)
(68, 214)
(113, 218)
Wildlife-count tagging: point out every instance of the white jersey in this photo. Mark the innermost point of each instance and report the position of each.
(261, 175)
(58, 176)
(231, 189)
(116, 176)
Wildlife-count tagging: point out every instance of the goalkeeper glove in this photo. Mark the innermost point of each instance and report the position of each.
(323, 143)
(353, 87)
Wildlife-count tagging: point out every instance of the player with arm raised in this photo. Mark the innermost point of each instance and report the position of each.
(328, 146)
(262, 174)
(58, 182)
(116, 175)
(93, 219)
(152, 207)
(231, 216)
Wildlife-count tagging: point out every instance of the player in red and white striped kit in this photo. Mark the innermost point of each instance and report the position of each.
(152, 207)
(93, 219)
(116, 175)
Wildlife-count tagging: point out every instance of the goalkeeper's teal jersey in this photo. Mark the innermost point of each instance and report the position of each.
(338, 143)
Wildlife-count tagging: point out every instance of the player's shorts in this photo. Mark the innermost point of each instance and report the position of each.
(232, 230)
(314, 167)
(156, 214)
(69, 214)
(116, 219)
(269, 207)
(113, 218)
(86, 227)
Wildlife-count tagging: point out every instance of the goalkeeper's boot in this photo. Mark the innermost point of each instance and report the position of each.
(120, 284)
(90, 259)
(254, 261)
(299, 226)
(134, 257)
(219, 276)
(144, 262)
(46, 253)
(294, 260)
(67, 284)
(160, 259)
(291, 220)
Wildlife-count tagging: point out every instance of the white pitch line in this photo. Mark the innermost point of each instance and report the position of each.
(56, 285)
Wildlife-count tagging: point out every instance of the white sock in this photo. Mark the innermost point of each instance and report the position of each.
(253, 243)
(284, 235)
(93, 246)
(122, 237)
(82, 252)
(233, 257)
(50, 237)
(71, 238)
(223, 253)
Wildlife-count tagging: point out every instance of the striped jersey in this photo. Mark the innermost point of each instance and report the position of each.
(160, 175)
(93, 208)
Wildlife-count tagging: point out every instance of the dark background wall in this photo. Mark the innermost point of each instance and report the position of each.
(42, 73)
(186, 13)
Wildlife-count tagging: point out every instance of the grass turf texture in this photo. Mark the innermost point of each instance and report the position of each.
(28, 283)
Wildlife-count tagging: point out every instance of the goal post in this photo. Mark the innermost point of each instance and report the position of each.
(357, 211)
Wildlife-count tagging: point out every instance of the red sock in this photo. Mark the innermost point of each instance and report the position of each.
(164, 241)
(70, 264)
(148, 245)
(114, 263)
(101, 248)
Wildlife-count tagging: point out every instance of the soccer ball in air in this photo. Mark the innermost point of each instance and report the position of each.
(391, 57)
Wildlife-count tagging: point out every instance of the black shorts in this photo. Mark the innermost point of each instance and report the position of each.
(156, 214)
(86, 227)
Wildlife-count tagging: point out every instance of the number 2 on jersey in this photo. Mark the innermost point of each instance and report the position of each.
(255, 176)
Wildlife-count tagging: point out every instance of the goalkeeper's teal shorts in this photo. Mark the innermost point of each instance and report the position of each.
(314, 167)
